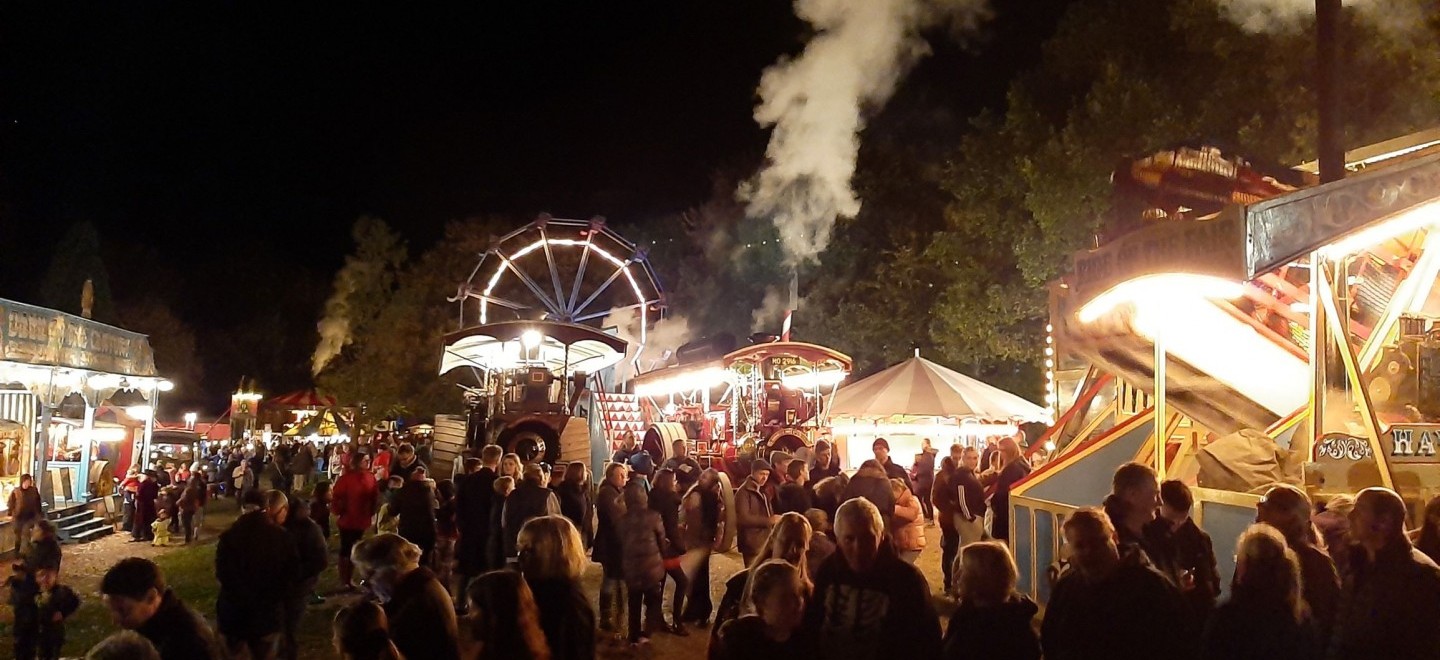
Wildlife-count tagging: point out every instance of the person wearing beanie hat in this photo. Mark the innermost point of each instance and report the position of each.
(881, 447)
(754, 514)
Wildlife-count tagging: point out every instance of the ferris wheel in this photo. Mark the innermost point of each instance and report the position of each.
(567, 271)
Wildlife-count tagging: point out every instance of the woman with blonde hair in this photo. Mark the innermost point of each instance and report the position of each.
(504, 623)
(991, 619)
(789, 540)
(511, 466)
(552, 559)
(1265, 617)
(1287, 509)
(420, 610)
(909, 525)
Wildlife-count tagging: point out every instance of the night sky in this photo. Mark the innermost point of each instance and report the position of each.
(217, 139)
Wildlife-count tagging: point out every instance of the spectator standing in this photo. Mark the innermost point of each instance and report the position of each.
(909, 535)
(871, 484)
(355, 493)
(609, 552)
(415, 503)
(406, 462)
(446, 532)
(821, 543)
(1427, 538)
(531, 499)
(992, 620)
(686, 468)
(1131, 505)
(145, 507)
(778, 592)
(1332, 523)
(869, 604)
(552, 559)
(1287, 509)
(794, 495)
(503, 621)
(302, 465)
(665, 500)
(829, 493)
(128, 488)
(495, 537)
(702, 528)
(320, 500)
(1110, 606)
(789, 541)
(1264, 618)
(1188, 549)
(753, 513)
(881, 449)
(135, 592)
(923, 478)
(474, 492)
(192, 499)
(362, 632)
(313, 556)
(421, 614)
(576, 502)
(642, 536)
(54, 603)
(1013, 468)
(826, 465)
(1391, 598)
(945, 496)
(250, 610)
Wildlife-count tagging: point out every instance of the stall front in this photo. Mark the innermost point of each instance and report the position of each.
(56, 370)
(920, 399)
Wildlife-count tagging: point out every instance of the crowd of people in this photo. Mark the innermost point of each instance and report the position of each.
(489, 565)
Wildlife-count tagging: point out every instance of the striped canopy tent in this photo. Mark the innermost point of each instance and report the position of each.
(919, 388)
(302, 399)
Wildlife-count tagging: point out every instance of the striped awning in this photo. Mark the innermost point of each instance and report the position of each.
(18, 406)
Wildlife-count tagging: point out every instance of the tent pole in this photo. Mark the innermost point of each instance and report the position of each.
(1162, 412)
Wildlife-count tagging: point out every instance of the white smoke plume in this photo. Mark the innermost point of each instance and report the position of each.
(771, 313)
(334, 328)
(668, 334)
(816, 104)
(1290, 15)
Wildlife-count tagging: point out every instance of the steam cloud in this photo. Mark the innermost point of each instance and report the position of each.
(816, 104)
(771, 311)
(334, 327)
(1287, 15)
(668, 334)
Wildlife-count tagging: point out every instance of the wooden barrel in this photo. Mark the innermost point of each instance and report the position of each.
(727, 495)
(658, 439)
(102, 478)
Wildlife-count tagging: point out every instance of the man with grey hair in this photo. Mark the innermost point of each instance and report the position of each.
(868, 603)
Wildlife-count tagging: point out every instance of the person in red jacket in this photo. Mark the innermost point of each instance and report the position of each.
(354, 504)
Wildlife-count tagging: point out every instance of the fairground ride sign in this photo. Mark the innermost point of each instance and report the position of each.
(1402, 443)
(1213, 247)
(45, 337)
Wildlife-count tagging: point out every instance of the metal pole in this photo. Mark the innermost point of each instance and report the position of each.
(87, 451)
(1161, 410)
(150, 426)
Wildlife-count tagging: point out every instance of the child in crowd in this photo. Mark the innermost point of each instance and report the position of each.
(54, 603)
(161, 527)
(778, 591)
(821, 547)
(642, 535)
(387, 521)
(320, 507)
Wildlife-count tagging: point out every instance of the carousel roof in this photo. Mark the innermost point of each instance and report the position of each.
(920, 388)
(302, 399)
(509, 344)
(327, 424)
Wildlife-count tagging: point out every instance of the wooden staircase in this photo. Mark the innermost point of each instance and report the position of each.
(80, 524)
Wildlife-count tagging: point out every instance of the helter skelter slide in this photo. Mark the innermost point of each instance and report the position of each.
(1240, 305)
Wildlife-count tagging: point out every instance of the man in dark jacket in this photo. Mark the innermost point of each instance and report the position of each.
(969, 498)
(868, 603)
(258, 567)
(473, 494)
(1109, 606)
(687, 469)
(531, 499)
(145, 511)
(134, 591)
(314, 556)
(924, 482)
(753, 515)
(609, 509)
(794, 495)
(1188, 548)
(406, 462)
(826, 465)
(871, 483)
(881, 448)
(416, 504)
(25, 511)
(1391, 597)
